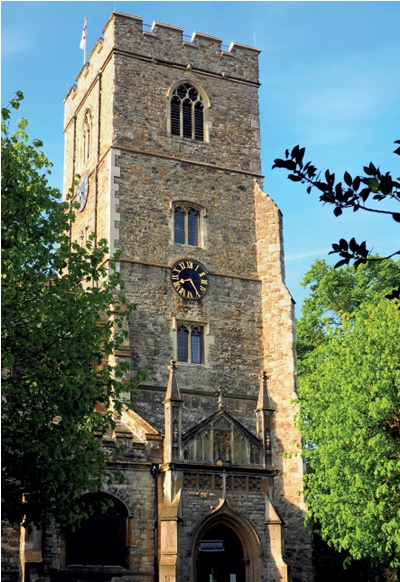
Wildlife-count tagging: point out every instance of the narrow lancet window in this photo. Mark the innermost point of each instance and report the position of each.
(191, 344)
(186, 225)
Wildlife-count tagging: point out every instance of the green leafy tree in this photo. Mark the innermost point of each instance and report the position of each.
(364, 193)
(337, 292)
(63, 317)
(349, 394)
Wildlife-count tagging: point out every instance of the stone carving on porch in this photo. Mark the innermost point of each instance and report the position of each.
(222, 446)
(254, 455)
(213, 482)
(175, 432)
(221, 439)
(222, 423)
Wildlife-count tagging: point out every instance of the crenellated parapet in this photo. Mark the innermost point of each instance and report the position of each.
(165, 44)
(169, 44)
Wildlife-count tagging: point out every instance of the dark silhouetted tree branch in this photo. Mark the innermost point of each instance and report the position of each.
(362, 192)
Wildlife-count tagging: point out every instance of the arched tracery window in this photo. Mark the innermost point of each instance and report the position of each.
(187, 112)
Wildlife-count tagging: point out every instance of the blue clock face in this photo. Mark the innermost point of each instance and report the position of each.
(82, 192)
(190, 279)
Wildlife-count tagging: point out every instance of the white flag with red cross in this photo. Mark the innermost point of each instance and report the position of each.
(82, 44)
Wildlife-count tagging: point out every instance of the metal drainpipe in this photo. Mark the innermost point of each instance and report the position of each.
(97, 153)
(155, 471)
(73, 175)
(74, 151)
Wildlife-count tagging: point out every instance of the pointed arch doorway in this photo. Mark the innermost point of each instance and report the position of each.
(220, 556)
(226, 548)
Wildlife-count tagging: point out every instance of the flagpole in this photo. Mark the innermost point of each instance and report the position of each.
(84, 51)
(82, 44)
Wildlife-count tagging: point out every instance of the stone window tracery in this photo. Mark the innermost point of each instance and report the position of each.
(187, 112)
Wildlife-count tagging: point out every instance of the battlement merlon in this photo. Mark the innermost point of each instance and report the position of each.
(166, 43)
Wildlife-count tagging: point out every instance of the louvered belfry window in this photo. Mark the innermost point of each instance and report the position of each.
(187, 113)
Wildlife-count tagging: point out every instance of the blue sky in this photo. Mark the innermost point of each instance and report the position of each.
(330, 75)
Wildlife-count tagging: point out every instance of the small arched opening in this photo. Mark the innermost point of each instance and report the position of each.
(100, 539)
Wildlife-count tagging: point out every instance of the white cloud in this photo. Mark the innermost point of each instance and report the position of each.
(307, 254)
(16, 40)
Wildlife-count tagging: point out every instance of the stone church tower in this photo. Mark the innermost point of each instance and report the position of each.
(165, 135)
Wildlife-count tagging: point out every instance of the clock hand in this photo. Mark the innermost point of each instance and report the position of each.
(193, 285)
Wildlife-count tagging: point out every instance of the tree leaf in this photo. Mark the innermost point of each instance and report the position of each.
(294, 178)
(348, 179)
(337, 211)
